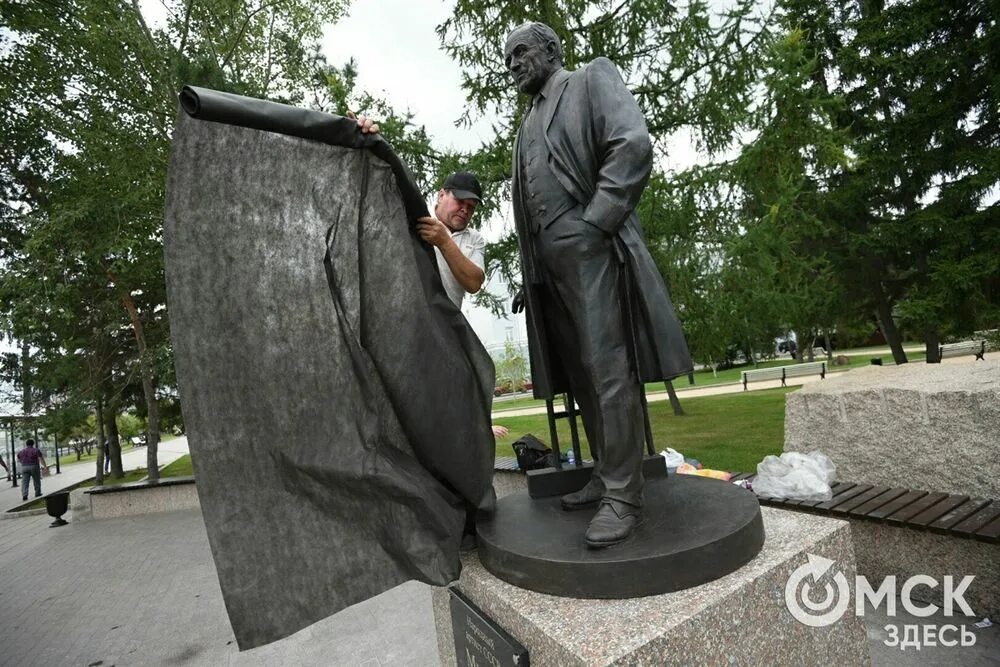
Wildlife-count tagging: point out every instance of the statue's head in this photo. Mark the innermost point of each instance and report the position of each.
(532, 53)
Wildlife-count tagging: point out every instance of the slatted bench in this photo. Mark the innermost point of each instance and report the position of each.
(784, 372)
(943, 513)
(976, 347)
(505, 464)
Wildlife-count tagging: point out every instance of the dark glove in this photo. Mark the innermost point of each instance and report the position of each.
(517, 305)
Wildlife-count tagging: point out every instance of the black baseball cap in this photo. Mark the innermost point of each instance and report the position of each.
(464, 185)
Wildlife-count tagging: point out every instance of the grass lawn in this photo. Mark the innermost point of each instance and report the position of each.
(725, 432)
(70, 457)
(180, 468)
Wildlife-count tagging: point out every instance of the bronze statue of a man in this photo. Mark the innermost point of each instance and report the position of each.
(599, 317)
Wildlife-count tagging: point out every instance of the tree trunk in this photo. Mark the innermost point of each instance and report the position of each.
(113, 442)
(674, 402)
(148, 389)
(26, 401)
(883, 311)
(102, 443)
(805, 347)
(829, 347)
(932, 339)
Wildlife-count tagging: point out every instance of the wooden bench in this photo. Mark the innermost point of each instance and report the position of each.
(976, 347)
(784, 372)
(947, 514)
(505, 464)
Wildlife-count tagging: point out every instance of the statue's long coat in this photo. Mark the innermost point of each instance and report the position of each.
(600, 152)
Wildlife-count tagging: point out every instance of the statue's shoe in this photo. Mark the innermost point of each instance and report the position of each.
(585, 497)
(612, 524)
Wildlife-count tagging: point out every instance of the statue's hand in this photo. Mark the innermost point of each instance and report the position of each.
(517, 305)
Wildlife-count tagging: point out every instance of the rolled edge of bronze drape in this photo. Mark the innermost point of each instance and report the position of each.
(231, 109)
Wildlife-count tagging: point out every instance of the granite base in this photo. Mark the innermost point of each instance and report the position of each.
(883, 550)
(143, 498)
(738, 619)
(924, 426)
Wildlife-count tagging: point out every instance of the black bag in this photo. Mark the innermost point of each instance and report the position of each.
(532, 453)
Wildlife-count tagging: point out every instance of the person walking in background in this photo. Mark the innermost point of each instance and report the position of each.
(4, 464)
(32, 461)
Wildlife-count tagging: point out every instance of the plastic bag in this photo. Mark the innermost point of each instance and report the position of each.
(673, 457)
(795, 476)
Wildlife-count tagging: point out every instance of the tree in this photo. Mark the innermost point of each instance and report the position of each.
(88, 96)
(931, 72)
(913, 213)
(689, 69)
(512, 367)
(784, 236)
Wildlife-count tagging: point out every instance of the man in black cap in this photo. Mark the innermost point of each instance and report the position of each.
(458, 247)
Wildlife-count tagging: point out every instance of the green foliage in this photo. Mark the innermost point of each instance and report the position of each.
(511, 367)
(88, 96)
(852, 155)
(915, 217)
(690, 68)
(182, 467)
(130, 426)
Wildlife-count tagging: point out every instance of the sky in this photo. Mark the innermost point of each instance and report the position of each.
(399, 56)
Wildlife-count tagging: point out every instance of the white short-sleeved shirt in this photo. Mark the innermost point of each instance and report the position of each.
(472, 244)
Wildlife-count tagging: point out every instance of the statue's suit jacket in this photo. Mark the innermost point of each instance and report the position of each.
(599, 150)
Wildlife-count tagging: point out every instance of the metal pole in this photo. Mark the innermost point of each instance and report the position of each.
(13, 455)
(55, 439)
(647, 429)
(570, 404)
(553, 433)
(8, 436)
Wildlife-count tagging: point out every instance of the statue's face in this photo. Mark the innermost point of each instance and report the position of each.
(529, 61)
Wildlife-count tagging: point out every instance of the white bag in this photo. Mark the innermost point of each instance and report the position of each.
(673, 457)
(795, 476)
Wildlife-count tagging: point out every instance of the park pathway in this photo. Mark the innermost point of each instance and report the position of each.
(687, 391)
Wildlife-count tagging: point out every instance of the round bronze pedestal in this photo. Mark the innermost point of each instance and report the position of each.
(694, 530)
